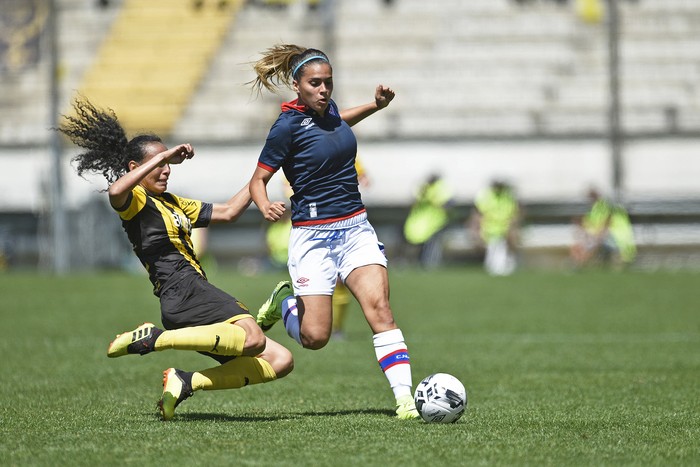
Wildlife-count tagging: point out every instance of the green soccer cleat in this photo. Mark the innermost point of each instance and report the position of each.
(141, 340)
(271, 311)
(177, 386)
(406, 408)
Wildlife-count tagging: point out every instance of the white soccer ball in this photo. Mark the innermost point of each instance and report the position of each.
(440, 398)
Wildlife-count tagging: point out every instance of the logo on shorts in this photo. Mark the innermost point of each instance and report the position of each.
(303, 281)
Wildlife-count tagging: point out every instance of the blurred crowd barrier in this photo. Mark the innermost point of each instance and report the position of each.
(485, 88)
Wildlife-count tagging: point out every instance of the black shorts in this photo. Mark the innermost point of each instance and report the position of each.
(193, 301)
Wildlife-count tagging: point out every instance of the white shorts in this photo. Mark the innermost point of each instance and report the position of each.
(317, 257)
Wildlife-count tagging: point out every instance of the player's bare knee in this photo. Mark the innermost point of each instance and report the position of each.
(314, 342)
(388, 322)
(255, 342)
(284, 364)
(381, 318)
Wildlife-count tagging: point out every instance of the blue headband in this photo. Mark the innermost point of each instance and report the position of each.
(313, 57)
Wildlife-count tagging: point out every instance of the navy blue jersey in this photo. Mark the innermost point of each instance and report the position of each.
(317, 155)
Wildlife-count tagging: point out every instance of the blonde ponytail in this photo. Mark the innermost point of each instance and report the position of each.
(278, 63)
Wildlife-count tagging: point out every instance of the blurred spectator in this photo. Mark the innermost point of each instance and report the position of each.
(362, 177)
(200, 242)
(277, 240)
(277, 233)
(495, 223)
(427, 219)
(604, 234)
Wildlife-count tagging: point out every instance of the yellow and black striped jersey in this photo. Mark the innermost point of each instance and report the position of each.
(159, 229)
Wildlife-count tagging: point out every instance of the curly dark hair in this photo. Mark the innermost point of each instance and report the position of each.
(107, 149)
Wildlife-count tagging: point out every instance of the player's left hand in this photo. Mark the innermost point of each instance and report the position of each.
(178, 154)
(383, 95)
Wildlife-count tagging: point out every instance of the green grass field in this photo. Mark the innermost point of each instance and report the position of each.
(595, 368)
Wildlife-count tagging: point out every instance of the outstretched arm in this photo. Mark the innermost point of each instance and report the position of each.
(233, 208)
(120, 189)
(383, 95)
(271, 211)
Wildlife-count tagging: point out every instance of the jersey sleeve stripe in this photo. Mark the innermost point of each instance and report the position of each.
(266, 167)
(137, 200)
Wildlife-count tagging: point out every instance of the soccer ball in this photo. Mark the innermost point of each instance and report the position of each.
(440, 398)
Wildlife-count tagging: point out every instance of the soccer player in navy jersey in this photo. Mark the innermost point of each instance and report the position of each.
(312, 143)
(196, 315)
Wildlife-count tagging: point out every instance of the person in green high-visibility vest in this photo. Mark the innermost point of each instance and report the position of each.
(605, 233)
(495, 223)
(277, 240)
(427, 218)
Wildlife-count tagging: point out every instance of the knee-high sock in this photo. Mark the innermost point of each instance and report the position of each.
(236, 373)
(220, 339)
(290, 316)
(392, 354)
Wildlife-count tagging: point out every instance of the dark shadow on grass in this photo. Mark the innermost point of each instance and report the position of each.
(335, 413)
(216, 417)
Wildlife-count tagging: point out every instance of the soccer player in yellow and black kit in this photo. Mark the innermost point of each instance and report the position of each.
(195, 314)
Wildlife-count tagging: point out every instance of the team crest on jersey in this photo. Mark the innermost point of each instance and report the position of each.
(182, 222)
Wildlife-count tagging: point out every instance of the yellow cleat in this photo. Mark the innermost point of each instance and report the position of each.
(271, 311)
(406, 408)
(141, 340)
(176, 389)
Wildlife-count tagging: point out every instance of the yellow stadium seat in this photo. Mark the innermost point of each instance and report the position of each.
(153, 58)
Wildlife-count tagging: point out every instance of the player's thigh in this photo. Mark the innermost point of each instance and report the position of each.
(361, 248)
(312, 266)
(370, 286)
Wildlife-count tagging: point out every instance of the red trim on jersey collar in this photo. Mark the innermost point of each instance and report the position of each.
(294, 105)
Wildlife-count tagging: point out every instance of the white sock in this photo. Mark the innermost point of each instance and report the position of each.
(392, 355)
(290, 316)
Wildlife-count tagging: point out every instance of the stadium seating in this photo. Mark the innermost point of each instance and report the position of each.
(471, 69)
(470, 72)
(153, 58)
(478, 68)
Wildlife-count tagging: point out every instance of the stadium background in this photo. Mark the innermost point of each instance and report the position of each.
(519, 90)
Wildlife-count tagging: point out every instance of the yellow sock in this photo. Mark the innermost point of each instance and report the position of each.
(219, 339)
(233, 374)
